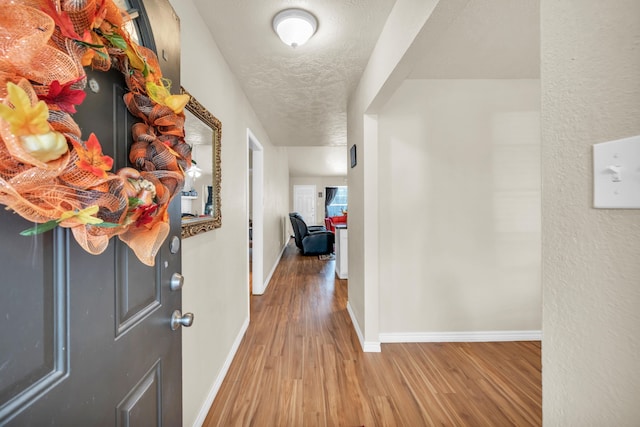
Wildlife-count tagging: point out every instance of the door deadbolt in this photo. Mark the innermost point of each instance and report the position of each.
(177, 281)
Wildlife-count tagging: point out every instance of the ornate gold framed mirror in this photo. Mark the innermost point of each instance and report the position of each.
(200, 199)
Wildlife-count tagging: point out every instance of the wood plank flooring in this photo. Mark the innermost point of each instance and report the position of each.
(300, 364)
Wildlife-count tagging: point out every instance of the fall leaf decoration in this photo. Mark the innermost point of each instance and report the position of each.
(64, 96)
(91, 159)
(144, 214)
(61, 20)
(136, 61)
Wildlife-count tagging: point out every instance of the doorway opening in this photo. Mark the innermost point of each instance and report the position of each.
(255, 191)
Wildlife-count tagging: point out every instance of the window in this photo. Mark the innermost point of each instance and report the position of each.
(339, 203)
(130, 25)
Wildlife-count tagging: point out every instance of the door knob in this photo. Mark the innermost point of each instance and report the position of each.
(178, 319)
(177, 280)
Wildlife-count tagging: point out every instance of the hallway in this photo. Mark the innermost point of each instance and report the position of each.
(300, 364)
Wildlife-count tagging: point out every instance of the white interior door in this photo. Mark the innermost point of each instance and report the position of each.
(304, 202)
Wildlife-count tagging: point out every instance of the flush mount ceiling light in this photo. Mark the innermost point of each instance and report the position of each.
(294, 26)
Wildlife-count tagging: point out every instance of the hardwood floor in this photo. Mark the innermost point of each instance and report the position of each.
(300, 364)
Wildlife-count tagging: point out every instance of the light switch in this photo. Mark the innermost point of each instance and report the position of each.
(616, 174)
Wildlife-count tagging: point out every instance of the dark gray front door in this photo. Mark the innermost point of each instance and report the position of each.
(86, 340)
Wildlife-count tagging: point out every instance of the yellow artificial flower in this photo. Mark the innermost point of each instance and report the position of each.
(24, 118)
(30, 124)
(84, 216)
(176, 102)
(160, 94)
(136, 60)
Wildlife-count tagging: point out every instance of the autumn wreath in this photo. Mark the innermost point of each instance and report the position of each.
(51, 176)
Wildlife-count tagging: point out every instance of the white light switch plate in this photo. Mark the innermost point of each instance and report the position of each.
(616, 174)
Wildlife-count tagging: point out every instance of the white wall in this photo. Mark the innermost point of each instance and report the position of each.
(320, 182)
(275, 201)
(317, 161)
(459, 185)
(591, 257)
(405, 21)
(215, 264)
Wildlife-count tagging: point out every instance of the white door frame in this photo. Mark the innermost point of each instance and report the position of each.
(254, 148)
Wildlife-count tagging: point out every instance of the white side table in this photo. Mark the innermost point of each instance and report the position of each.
(342, 250)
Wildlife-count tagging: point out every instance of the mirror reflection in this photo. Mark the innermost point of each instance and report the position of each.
(200, 199)
(198, 187)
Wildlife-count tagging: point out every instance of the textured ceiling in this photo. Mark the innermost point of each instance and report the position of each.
(300, 95)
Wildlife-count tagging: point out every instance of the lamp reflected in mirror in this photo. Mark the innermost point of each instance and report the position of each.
(200, 199)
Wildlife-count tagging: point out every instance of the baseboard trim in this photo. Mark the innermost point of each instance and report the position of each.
(371, 347)
(204, 410)
(472, 336)
(367, 346)
(273, 270)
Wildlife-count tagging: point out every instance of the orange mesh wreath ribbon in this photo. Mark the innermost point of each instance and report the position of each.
(43, 47)
(25, 50)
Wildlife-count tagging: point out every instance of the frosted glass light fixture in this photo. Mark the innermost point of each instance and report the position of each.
(194, 171)
(294, 26)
